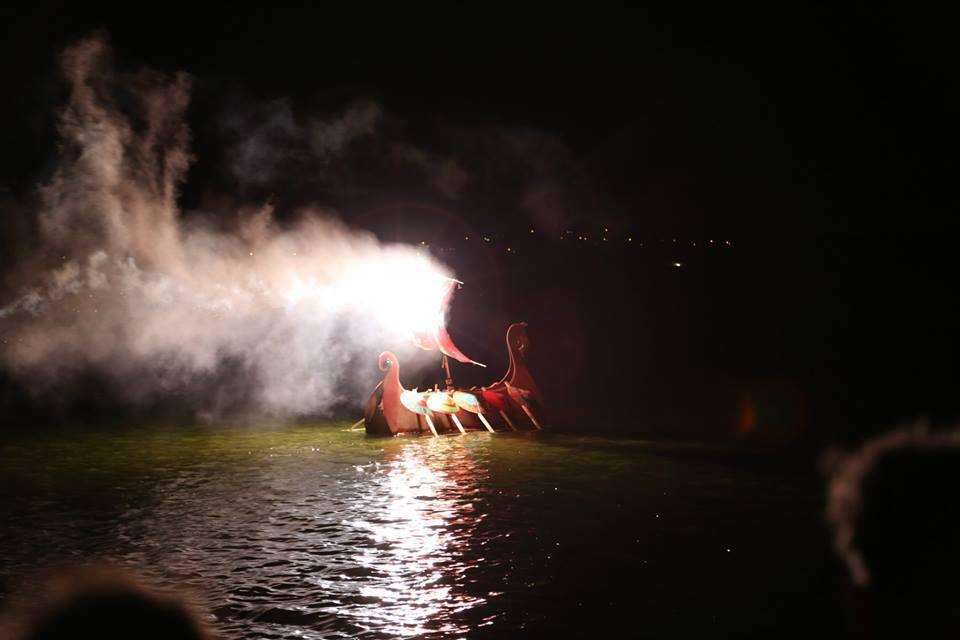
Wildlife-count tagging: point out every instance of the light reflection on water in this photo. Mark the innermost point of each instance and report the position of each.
(316, 532)
(414, 547)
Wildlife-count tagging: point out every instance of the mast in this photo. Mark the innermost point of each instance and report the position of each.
(446, 368)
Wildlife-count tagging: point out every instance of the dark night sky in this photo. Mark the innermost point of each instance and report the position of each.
(756, 120)
(829, 133)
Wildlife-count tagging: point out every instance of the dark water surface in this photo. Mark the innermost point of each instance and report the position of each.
(319, 532)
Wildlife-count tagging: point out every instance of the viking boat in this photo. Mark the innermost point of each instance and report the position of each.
(511, 403)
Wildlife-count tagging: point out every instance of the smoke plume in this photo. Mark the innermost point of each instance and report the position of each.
(890, 504)
(122, 283)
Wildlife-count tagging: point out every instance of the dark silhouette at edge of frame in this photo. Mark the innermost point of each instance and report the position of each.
(98, 602)
(896, 526)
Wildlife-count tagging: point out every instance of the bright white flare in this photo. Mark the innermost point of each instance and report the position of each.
(402, 291)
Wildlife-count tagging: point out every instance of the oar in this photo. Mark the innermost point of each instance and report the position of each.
(442, 402)
(433, 429)
(527, 411)
(485, 423)
(519, 396)
(495, 400)
(469, 402)
(456, 421)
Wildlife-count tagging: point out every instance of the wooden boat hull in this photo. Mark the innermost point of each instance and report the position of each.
(510, 404)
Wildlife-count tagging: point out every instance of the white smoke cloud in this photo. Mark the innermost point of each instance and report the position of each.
(359, 120)
(498, 172)
(269, 139)
(121, 284)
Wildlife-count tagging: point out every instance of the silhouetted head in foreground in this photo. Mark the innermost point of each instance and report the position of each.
(896, 519)
(104, 605)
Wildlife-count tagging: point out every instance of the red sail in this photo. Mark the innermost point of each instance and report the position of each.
(447, 348)
(425, 341)
(440, 339)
